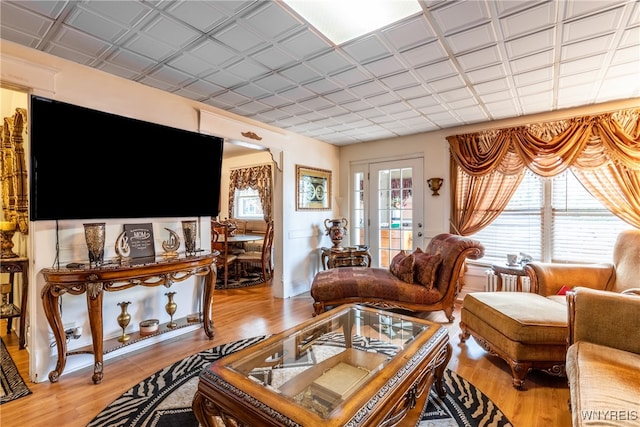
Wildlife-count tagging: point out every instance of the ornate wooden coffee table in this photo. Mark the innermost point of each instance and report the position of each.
(352, 366)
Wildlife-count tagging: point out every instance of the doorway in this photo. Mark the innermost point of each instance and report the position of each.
(387, 207)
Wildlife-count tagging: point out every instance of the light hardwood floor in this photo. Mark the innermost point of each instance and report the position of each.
(243, 313)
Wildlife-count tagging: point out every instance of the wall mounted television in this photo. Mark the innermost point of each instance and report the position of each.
(88, 164)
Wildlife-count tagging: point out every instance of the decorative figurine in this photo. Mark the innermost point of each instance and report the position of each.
(123, 250)
(171, 245)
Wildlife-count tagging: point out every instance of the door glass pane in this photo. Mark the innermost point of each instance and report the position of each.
(357, 224)
(395, 207)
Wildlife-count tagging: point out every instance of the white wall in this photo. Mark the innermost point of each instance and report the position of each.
(41, 74)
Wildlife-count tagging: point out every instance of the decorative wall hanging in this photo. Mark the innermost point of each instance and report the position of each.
(313, 189)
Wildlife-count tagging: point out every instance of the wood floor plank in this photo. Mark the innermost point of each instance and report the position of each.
(248, 312)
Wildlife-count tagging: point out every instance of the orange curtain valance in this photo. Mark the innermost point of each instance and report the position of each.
(548, 149)
(603, 152)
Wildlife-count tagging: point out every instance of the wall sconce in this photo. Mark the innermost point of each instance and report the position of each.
(434, 185)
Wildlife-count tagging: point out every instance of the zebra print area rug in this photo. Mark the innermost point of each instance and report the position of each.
(243, 282)
(164, 399)
(12, 384)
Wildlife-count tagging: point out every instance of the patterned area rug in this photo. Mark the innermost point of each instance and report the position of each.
(13, 386)
(164, 399)
(252, 279)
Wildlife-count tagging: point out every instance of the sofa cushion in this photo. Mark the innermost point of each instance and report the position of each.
(369, 282)
(402, 266)
(604, 383)
(425, 268)
(522, 317)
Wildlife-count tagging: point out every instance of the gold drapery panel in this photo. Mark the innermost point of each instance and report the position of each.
(258, 178)
(603, 151)
(15, 195)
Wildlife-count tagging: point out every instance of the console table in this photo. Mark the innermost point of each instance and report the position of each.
(13, 266)
(354, 256)
(118, 277)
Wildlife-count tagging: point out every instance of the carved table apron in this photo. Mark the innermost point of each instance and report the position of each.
(118, 277)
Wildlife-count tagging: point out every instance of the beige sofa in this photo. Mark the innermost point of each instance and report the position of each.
(529, 330)
(603, 361)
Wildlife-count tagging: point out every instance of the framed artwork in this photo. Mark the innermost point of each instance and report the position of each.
(313, 190)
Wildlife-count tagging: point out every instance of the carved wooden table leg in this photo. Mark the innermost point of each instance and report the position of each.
(207, 301)
(50, 298)
(439, 372)
(94, 304)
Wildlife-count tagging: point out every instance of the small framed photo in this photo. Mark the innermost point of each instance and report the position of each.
(313, 190)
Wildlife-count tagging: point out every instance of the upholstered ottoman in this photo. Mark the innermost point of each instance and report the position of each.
(528, 332)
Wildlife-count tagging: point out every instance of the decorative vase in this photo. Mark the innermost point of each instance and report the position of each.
(336, 230)
(123, 320)
(171, 308)
(94, 235)
(7, 230)
(190, 231)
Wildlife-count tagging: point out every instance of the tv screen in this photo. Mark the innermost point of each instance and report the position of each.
(89, 164)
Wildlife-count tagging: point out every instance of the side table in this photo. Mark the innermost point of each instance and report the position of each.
(513, 270)
(354, 256)
(13, 266)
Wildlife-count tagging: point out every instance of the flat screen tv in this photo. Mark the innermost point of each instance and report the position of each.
(88, 164)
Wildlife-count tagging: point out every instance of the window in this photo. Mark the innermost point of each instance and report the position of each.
(247, 204)
(553, 220)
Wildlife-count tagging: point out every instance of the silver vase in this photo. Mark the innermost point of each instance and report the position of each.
(94, 234)
(190, 231)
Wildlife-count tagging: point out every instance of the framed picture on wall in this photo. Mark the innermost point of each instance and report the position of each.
(313, 190)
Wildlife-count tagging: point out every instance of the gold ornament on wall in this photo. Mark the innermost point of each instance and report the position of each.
(434, 185)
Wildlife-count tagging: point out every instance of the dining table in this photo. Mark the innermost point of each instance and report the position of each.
(240, 238)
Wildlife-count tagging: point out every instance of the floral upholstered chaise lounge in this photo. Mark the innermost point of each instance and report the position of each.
(420, 281)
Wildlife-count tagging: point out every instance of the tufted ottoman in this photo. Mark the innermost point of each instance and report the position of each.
(528, 331)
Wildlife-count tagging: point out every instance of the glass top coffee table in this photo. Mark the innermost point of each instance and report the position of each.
(353, 365)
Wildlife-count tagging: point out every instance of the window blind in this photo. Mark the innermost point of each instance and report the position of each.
(553, 220)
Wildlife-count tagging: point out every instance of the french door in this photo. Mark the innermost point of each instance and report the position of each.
(387, 208)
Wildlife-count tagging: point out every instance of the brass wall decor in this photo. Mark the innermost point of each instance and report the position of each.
(434, 185)
(251, 135)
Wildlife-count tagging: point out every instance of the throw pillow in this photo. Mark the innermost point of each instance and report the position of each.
(402, 267)
(563, 290)
(425, 267)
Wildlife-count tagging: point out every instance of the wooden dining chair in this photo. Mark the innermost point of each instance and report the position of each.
(262, 257)
(226, 259)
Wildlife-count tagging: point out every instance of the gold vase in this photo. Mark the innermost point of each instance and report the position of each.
(123, 320)
(171, 308)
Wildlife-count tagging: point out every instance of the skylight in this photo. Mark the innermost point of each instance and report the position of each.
(344, 20)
